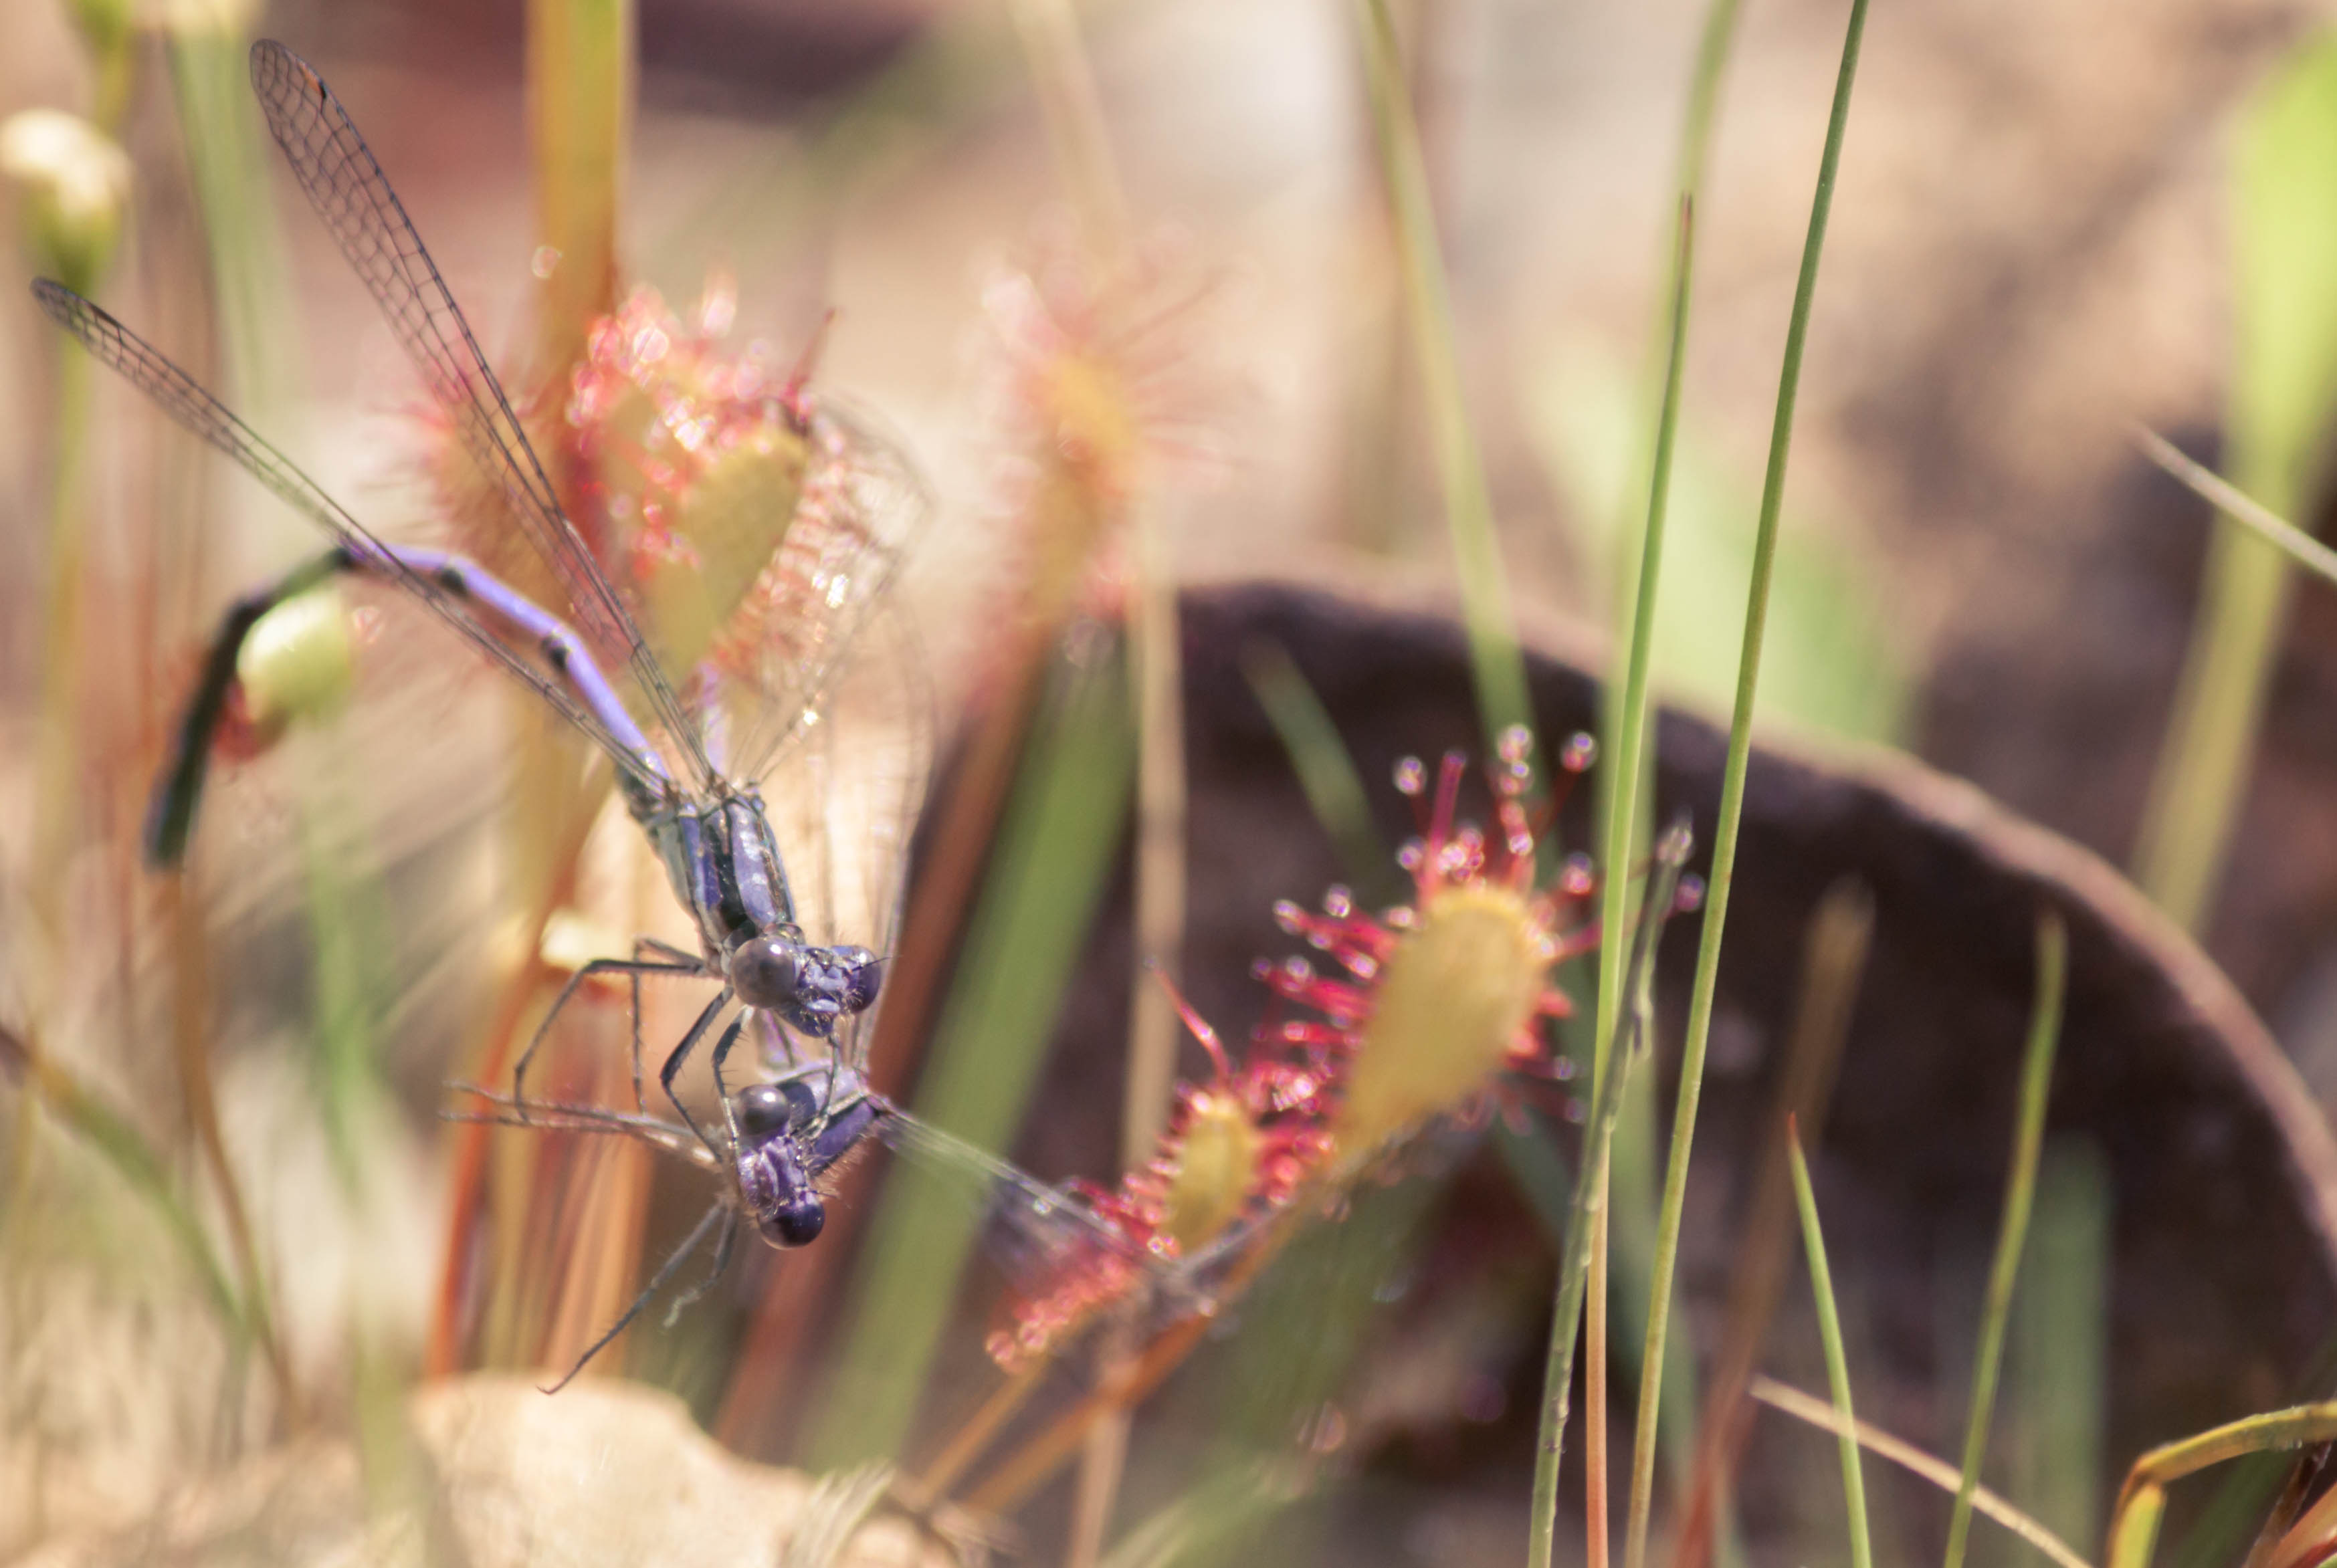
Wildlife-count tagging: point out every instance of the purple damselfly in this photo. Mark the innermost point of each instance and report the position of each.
(792, 1134)
(686, 774)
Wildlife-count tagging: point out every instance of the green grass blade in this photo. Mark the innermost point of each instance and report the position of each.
(2284, 399)
(1712, 48)
(348, 930)
(1493, 657)
(2060, 1349)
(1817, 1413)
(1225, 1506)
(1833, 968)
(1062, 830)
(117, 1141)
(1740, 733)
(2020, 1191)
(1325, 771)
(1853, 1481)
(1623, 779)
(2242, 508)
(1574, 1253)
(1712, 53)
(1626, 787)
(228, 160)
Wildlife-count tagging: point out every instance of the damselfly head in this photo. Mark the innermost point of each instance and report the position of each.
(767, 1110)
(859, 973)
(811, 989)
(779, 1191)
(774, 1180)
(766, 969)
(789, 1133)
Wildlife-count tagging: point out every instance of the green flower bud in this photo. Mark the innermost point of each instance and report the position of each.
(74, 182)
(298, 662)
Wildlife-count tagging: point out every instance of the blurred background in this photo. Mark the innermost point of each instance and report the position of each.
(2031, 253)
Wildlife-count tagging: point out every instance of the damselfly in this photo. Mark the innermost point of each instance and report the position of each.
(785, 1139)
(686, 772)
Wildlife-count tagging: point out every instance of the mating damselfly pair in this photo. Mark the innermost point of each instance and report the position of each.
(687, 719)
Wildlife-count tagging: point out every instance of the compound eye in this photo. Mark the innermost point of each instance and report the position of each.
(794, 1224)
(863, 973)
(764, 1111)
(764, 971)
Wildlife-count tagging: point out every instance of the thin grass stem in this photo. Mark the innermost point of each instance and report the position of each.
(1740, 730)
(57, 776)
(2141, 1505)
(119, 1143)
(1853, 1481)
(1493, 657)
(1712, 49)
(226, 156)
(1630, 764)
(1626, 785)
(1575, 1250)
(191, 1045)
(1065, 816)
(1325, 771)
(1598, 1486)
(2238, 505)
(1834, 962)
(1818, 1413)
(2020, 1191)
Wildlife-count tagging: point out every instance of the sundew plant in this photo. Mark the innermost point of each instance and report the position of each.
(1216, 785)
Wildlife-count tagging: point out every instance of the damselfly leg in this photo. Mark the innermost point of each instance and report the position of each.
(672, 961)
(721, 1218)
(680, 1053)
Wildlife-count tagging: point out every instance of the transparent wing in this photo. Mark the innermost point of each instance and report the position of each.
(562, 1116)
(1033, 1231)
(1065, 1267)
(844, 801)
(863, 507)
(185, 400)
(354, 199)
